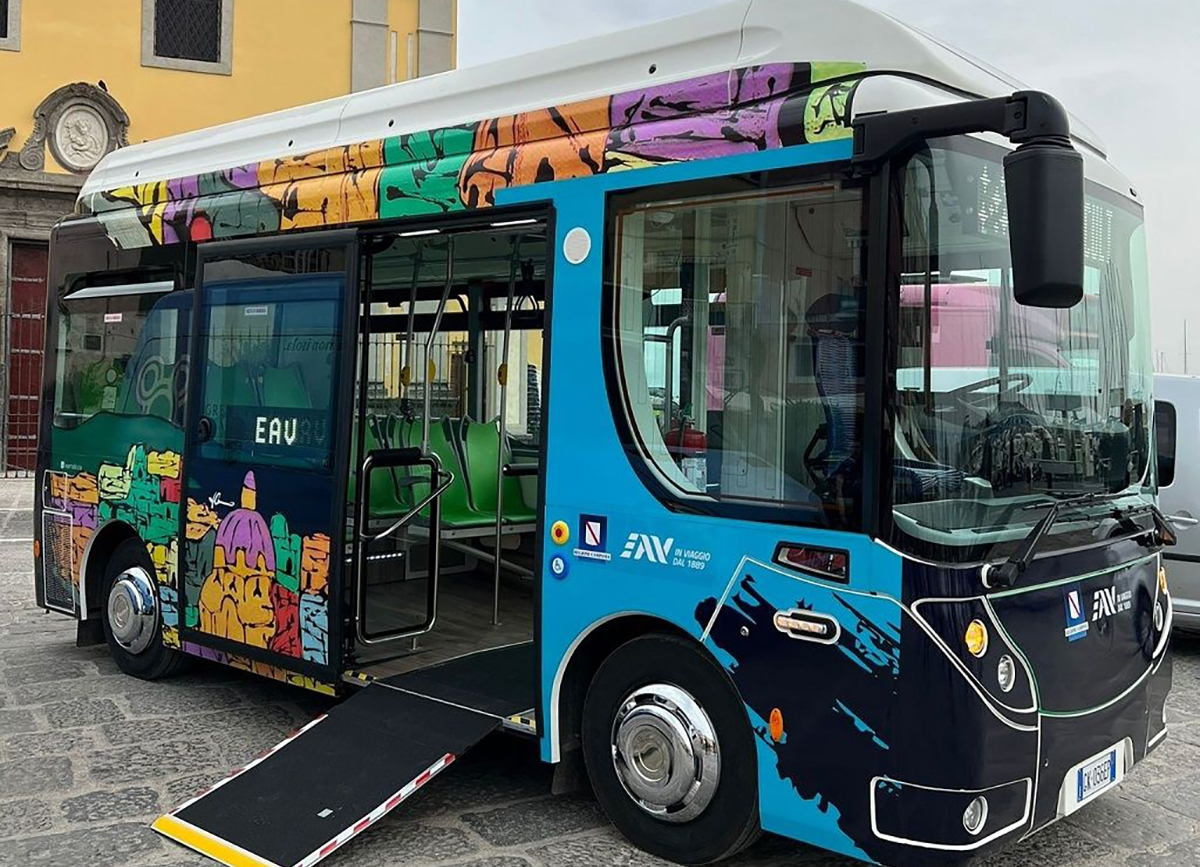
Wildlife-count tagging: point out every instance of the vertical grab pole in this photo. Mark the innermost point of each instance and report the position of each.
(407, 373)
(502, 377)
(433, 332)
(435, 528)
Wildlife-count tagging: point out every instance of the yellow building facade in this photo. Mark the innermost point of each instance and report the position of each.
(80, 78)
(270, 54)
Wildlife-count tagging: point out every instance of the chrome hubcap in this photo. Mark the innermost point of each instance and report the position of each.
(665, 751)
(133, 610)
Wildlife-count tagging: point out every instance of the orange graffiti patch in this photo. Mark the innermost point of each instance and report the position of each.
(200, 519)
(776, 724)
(547, 145)
(326, 201)
(83, 489)
(314, 564)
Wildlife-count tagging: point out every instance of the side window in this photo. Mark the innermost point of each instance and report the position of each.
(1164, 436)
(739, 342)
(119, 353)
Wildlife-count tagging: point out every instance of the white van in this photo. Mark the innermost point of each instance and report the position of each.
(1177, 436)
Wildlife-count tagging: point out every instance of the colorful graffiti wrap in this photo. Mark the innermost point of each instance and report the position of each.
(244, 578)
(463, 167)
(258, 583)
(143, 493)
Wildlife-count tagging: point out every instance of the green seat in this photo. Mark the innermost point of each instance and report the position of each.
(230, 385)
(481, 448)
(457, 511)
(284, 387)
(387, 499)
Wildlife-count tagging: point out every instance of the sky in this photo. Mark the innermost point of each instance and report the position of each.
(1123, 68)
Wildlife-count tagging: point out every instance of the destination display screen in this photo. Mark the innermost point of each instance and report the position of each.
(279, 435)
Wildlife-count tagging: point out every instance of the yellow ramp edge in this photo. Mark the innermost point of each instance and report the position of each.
(206, 844)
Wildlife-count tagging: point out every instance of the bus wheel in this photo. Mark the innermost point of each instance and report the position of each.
(670, 752)
(131, 614)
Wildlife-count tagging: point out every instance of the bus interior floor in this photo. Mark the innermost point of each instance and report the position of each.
(463, 624)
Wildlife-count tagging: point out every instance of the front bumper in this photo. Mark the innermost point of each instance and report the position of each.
(963, 747)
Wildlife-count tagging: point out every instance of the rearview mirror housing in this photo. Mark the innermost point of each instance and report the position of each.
(1044, 183)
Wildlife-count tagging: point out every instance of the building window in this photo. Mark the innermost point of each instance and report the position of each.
(737, 327)
(10, 25)
(190, 35)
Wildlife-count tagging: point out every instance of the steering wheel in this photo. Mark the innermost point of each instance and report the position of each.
(1016, 382)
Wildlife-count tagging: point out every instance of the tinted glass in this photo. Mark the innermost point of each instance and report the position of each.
(121, 354)
(1001, 408)
(1164, 435)
(739, 340)
(270, 356)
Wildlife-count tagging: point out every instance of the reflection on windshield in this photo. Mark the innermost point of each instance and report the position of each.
(999, 405)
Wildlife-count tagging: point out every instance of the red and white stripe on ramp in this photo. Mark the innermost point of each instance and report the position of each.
(379, 812)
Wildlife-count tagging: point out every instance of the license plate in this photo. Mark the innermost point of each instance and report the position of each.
(1091, 777)
(1096, 777)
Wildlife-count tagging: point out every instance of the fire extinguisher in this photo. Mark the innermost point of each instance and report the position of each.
(689, 447)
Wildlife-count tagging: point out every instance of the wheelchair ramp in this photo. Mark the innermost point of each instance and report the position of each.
(330, 781)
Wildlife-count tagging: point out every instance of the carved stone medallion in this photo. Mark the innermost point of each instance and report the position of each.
(81, 123)
(80, 137)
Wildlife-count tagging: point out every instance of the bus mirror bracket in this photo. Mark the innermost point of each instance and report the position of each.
(1043, 180)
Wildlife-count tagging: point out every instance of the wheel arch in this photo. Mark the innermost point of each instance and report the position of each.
(95, 558)
(584, 656)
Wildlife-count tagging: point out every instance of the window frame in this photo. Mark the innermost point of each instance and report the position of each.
(12, 42)
(766, 183)
(157, 294)
(223, 66)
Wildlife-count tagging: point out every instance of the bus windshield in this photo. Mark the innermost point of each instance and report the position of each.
(1000, 407)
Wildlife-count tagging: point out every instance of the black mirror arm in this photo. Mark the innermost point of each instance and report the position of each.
(1022, 117)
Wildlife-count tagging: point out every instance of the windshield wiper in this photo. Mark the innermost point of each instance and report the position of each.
(1007, 572)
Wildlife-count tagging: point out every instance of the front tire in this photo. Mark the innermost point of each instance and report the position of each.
(670, 753)
(132, 614)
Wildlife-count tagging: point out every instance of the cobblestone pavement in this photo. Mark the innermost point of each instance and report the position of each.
(89, 757)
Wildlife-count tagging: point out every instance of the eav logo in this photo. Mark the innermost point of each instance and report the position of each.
(654, 549)
(1104, 603)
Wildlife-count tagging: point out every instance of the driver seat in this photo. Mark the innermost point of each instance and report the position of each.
(832, 322)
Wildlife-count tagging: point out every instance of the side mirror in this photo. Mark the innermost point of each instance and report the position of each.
(1044, 180)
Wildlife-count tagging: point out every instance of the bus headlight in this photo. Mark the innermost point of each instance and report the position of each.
(1006, 673)
(976, 638)
(1159, 617)
(975, 815)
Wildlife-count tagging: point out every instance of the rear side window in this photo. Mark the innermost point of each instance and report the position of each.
(737, 330)
(119, 354)
(1164, 440)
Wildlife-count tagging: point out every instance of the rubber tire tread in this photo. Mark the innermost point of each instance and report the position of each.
(731, 820)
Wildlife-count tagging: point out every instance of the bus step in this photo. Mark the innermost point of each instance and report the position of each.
(328, 782)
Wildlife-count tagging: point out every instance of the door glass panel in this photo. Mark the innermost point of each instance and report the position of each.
(268, 383)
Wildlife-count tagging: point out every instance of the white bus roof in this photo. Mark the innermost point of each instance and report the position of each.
(735, 34)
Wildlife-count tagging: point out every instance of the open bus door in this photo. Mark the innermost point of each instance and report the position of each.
(265, 470)
(378, 482)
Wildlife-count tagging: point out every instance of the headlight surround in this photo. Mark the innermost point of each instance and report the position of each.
(975, 816)
(1006, 673)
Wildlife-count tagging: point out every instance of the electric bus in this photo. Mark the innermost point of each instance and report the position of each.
(597, 396)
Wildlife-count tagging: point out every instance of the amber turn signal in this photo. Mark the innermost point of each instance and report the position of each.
(976, 638)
